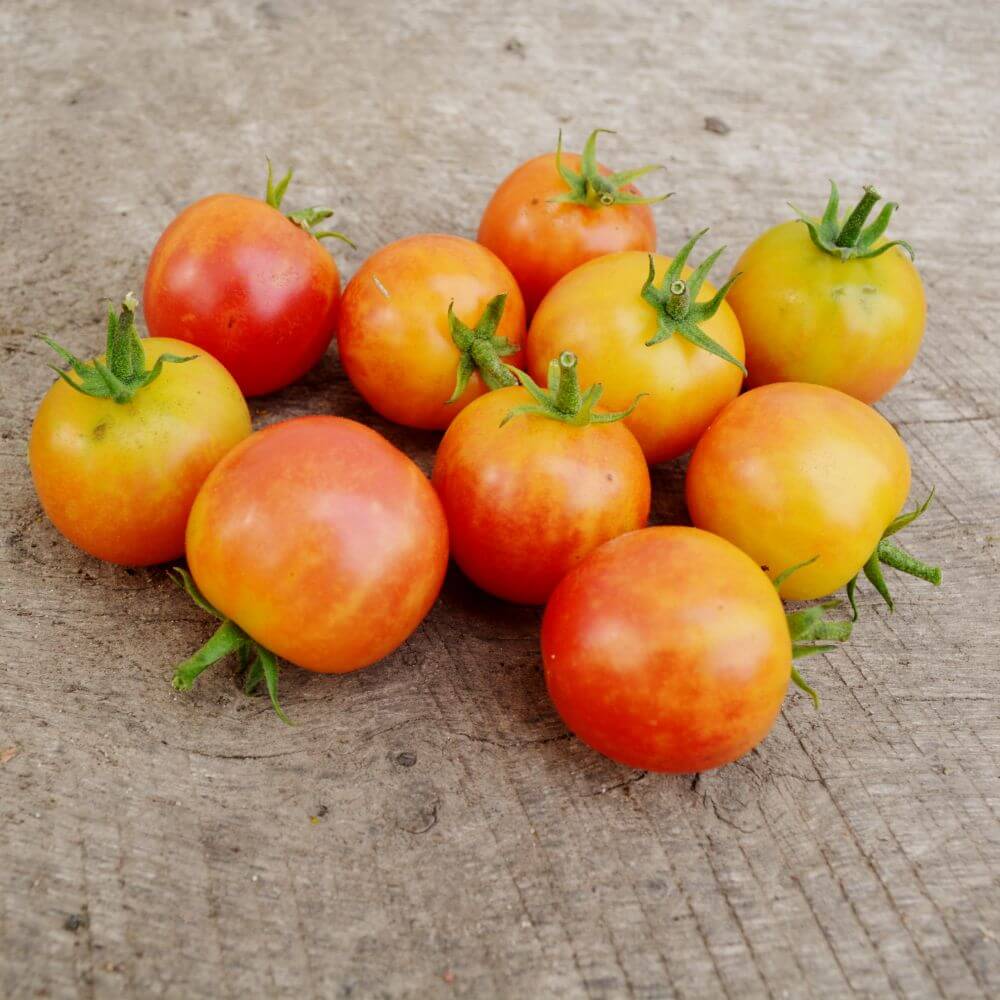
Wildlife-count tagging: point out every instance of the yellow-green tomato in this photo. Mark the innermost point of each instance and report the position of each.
(848, 318)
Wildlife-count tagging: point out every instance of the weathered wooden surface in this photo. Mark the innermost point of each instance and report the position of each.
(154, 844)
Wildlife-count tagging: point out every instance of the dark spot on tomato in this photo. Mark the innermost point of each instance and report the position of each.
(534, 201)
(232, 321)
(611, 477)
(765, 568)
(100, 430)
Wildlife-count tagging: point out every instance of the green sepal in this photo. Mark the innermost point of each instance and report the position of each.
(852, 239)
(480, 348)
(676, 305)
(592, 188)
(811, 631)
(123, 372)
(563, 399)
(305, 218)
(887, 553)
(255, 661)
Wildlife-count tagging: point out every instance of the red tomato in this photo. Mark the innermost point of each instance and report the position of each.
(424, 325)
(320, 542)
(527, 498)
(252, 286)
(556, 212)
(667, 649)
(118, 452)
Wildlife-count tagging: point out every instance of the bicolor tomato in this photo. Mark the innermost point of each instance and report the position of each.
(252, 286)
(676, 340)
(533, 480)
(556, 212)
(314, 540)
(792, 472)
(667, 649)
(121, 445)
(831, 303)
(425, 326)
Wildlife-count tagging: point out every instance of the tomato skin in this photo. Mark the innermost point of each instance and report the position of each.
(596, 311)
(527, 501)
(790, 471)
(541, 240)
(237, 278)
(321, 540)
(667, 649)
(118, 479)
(395, 340)
(806, 316)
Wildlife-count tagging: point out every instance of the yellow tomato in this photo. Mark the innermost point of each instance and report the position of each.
(598, 311)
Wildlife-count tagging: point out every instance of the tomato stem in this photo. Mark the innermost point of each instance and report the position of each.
(258, 662)
(890, 554)
(305, 218)
(481, 348)
(123, 371)
(676, 302)
(595, 190)
(563, 400)
(852, 240)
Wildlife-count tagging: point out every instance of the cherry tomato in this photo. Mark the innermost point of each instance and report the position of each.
(679, 342)
(119, 451)
(254, 287)
(667, 649)
(833, 304)
(533, 481)
(556, 212)
(791, 472)
(314, 540)
(424, 325)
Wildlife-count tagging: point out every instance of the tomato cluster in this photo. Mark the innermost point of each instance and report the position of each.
(561, 354)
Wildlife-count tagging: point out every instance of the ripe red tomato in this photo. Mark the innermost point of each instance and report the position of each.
(254, 287)
(423, 327)
(791, 472)
(533, 481)
(668, 334)
(119, 452)
(667, 649)
(556, 212)
(318, 541)
(832, 304)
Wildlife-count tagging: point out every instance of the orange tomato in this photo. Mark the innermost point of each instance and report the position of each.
(118, 478)
(599, 313)
(425, 317)
(560, 210)
(667, 649)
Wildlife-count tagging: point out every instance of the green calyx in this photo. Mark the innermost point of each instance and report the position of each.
(890, 554)
(304, 218)
(852, 240)
(811, 631)
(677, 310)
(257, 663)
(563, 400)
(592, 188)
(123, 371)
(480, 348)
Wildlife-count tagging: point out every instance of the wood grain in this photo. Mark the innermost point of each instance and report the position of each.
(429, 829)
